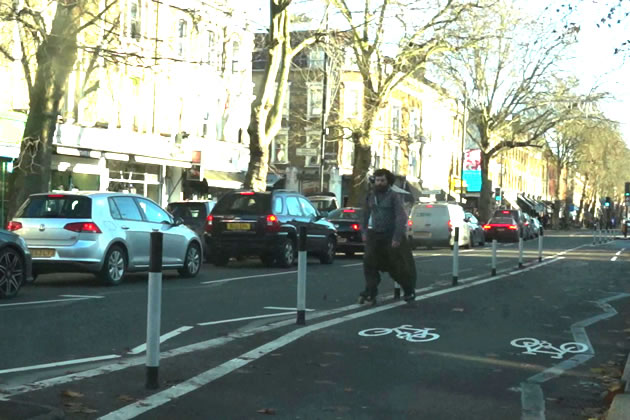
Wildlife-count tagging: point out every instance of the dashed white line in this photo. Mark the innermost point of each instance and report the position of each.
(57, 364)
(67, 299)
(82, 296)
(281, 308)
(225, 321)
(613, 259)
(282, 273)
(142, 347)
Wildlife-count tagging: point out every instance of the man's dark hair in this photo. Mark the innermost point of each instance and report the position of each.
(387, 174)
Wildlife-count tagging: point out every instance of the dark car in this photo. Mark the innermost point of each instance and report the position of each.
(266, 224)
(518, 217)
(348, 222)
(503, 229)
(195, 216)
(15, 264)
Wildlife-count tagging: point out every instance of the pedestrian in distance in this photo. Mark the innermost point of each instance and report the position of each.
(384, 235)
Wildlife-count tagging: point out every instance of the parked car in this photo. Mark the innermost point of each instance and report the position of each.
(502, 228)
(266, 224)
(348, 221)
(15, 264)
(538, 227)
(195, 216)
(476, 230)
(103, 233)
(529, 230)
(324, 202)
(434, 225)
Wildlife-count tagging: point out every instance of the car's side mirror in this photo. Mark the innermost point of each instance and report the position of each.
(178, 221)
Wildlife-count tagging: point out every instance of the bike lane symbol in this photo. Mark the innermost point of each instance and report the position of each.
(404, 332)
(534, 346)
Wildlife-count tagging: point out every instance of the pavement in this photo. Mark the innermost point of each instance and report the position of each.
(549, 341)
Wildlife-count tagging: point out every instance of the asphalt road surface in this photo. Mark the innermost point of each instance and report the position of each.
(542, 342)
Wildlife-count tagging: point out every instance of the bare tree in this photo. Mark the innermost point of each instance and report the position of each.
(384, 58)
(266, 116)
(509, 83)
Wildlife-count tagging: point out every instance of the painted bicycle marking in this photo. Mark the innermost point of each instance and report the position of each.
(535, 346)
(404, 332)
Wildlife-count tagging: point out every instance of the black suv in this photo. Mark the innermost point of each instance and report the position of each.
(266, 224)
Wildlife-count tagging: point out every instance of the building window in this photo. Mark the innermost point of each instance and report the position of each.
(352, 102)
(134, 19)
(414, 164)
(316, 58)
(414, 124)
(182, 36)
(315, 98)
(212, 57)
(397, 153)
(280, 149)
(236, 55)
(313, 141)
(396, 120)
(348, 154)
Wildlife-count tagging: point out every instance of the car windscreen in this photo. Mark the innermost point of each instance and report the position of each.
(346, 214)
(56, 207)
(322, 204)
(239, 203)
(187, 211)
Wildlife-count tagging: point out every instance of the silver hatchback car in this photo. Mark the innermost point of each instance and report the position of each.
(103, 233)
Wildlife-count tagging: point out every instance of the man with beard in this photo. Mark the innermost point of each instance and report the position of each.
(384, 235)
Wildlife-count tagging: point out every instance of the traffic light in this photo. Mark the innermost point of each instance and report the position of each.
(607, 202)
(497, 195)
(627, 193)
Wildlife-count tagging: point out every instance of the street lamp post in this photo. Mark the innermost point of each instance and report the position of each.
(461, 169)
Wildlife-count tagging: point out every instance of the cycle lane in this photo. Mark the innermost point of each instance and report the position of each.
(471, 371)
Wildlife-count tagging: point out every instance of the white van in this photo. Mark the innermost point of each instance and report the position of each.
(433, 224)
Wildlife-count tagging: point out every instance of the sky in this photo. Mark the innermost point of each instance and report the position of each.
(592, 59)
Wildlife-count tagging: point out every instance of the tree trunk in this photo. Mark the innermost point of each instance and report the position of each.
(555, 218)
(360, 168)
(485, 197)
(583, 200)
(55, 59)
(568, 198)
(256, 178)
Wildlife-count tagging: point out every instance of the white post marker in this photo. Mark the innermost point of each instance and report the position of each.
(594, 235)
(494, 257)
(456, 256)
(520, 250)
(396, 290)
(540, 245)
(154, 311)
(301, 286)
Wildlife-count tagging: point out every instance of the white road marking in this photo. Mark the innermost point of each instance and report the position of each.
(450, 273)
(280, 308)
(532, 398)
(83, 296)
(196, 382)
(68, 299)
(225, 321)
(6, 392)
(142, 347)
(249, 277)
(352, 265)
(613, 259)
(619, 252)
(57, 364)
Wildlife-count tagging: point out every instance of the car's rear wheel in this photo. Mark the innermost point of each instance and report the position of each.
(328, 255)
(286, 254)
(12, 272)
(192, 262)
(114, 267)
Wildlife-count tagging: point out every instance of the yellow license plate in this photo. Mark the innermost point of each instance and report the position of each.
(42, 253)
(238, 226)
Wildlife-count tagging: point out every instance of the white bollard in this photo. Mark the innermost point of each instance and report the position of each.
(494, 257)
(154, 311)
(456, 257)
(301, 286)
(540, 245)
(520, 251)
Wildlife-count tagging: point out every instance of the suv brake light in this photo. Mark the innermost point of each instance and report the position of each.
(410, 222)
(209, 221)
(247, 193)
(13, 226)
(273, 224)
(505, 212)
(89, 227)
(450, 225)
(512, 227)
(355, 227)
(487, 227)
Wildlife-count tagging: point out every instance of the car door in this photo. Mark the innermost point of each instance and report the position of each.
(174, 242)
(316, 236)
(294, 212)
(127, 217)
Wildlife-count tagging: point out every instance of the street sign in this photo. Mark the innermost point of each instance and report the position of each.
(304, 151)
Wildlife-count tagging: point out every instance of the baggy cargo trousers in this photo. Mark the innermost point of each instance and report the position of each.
(380, 256)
